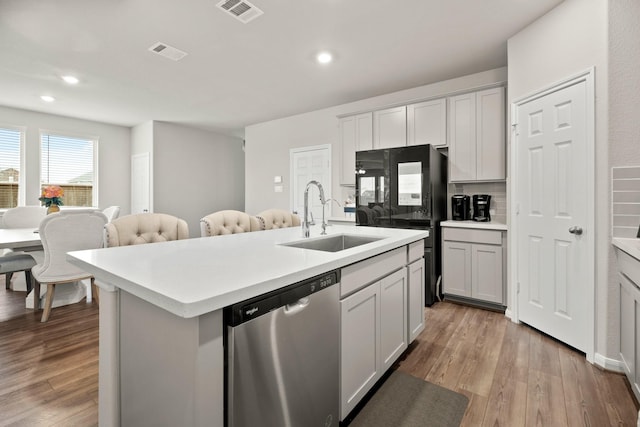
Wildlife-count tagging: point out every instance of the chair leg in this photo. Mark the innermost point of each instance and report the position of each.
(7, 278)
(51, 288)
(36, 295)
(94, 291)
(29, 279)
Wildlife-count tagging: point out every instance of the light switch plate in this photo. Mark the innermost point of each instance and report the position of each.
(277, 179)
(277, 188)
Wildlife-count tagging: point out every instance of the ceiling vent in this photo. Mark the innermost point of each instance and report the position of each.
(242, 10)
(167, 51)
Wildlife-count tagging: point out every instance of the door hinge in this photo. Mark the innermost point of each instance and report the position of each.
(514, 128)
(518, 288)
(517, 208)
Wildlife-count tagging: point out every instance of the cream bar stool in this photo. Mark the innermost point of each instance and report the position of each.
(277, 218)
(144, 228)
(228, 222)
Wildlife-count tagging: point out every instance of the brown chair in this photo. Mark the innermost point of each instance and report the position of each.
(228, 222)
(277, 218)
(144, 228)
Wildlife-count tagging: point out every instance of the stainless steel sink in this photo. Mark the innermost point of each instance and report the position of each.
(336, 243)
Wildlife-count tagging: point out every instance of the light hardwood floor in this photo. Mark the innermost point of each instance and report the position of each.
(513, 375)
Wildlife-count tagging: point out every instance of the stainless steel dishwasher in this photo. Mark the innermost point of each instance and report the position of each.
(283, 356)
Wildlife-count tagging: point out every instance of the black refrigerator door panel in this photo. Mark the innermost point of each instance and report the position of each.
(372, 188)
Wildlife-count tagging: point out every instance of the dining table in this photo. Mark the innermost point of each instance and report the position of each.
(19, 238)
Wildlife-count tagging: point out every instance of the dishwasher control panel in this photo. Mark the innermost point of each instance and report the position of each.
(255, 307)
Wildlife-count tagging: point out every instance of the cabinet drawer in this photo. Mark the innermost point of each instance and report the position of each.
(489, 237)
(416, 251)
(356, 276)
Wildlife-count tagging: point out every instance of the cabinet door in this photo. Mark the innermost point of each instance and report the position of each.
(456, 268)
(427, 123)
(393, 317)
(627, 326)
(486, 273)
(360, 346)
(416, 299)
(348, 140)
(462, 137)
(490, 135)
(390, 128)
(364, 132)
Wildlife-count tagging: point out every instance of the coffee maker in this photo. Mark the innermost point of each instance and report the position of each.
(460, 207)
(481, 206)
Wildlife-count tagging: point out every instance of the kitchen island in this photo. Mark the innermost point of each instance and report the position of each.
(161, 313)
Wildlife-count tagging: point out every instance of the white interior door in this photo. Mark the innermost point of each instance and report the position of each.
(307, 164)
(553, 192)
(140, 183)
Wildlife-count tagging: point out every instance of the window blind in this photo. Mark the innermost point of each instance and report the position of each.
(9, 167)
(69, 163)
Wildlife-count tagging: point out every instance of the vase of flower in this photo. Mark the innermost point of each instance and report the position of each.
(52, 198)
(53, 209)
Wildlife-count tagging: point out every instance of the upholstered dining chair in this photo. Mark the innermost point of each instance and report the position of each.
(277, 218)
(63, 232)
(228, 222)
(12, 262)
(144, 228)
(112, 212)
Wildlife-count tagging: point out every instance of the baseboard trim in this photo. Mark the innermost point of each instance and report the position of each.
(608, 363)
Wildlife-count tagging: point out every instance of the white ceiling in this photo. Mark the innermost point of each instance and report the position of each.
(239, 74)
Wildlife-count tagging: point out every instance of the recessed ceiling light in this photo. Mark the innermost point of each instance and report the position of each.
(324, 57)
(72, 80)
(47, 98)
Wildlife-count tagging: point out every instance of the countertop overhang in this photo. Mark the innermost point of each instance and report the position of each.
(628, 245)
(195, 276)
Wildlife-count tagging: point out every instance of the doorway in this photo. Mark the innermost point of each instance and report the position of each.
(552, 212)
(307, 164)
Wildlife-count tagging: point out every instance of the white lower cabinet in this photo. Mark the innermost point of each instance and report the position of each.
(630, 319)
(360, 346)
(473, 264)
(415, 275)
(373, 336)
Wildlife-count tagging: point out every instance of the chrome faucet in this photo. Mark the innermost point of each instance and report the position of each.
(305, 219)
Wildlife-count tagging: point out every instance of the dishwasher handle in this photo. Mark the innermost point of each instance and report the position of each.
(296, 307)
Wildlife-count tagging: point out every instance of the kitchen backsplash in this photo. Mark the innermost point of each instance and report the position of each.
(497, 190)
(625, 200)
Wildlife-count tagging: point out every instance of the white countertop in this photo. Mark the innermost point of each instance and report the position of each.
(195, 276)
(630, 246)
(475, 224)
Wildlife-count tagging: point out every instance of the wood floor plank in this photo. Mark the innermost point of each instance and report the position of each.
(583, 402)
(507, 401)
(545, 400)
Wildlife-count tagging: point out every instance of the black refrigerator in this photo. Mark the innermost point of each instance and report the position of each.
(405, 187)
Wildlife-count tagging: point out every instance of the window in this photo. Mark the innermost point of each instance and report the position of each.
(10, 142)
(70, 163)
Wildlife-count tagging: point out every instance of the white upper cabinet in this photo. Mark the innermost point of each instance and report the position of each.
(356, 134)
(427, 123)
(477, 136)
(390, 127)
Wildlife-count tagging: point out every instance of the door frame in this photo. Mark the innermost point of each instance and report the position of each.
(587, 76)
(326, 188)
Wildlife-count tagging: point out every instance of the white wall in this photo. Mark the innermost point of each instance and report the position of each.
(113, 152)
(570, 39)
(624, 119)
(268, 144)
(196, 172)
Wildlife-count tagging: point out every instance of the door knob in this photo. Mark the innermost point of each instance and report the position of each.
(575, 230)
